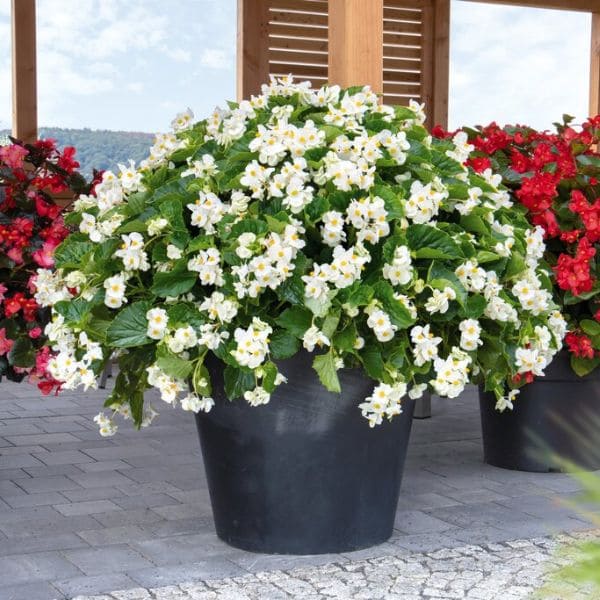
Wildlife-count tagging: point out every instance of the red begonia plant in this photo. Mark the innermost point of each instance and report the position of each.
(556, 176)
(31, 227)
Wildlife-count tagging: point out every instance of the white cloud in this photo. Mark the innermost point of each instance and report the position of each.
(215, 58)
(517, 65)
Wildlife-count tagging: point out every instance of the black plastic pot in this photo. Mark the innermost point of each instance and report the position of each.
(304, 474)
(558, 415)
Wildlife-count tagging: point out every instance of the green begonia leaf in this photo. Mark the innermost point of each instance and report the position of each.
(324, 365)
(129, 327)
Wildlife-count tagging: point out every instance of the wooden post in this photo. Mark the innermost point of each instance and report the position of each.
(24, 77)
(356, 43)
(252, 46)
(595, 66)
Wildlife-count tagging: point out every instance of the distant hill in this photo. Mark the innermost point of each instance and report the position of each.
(100, 149)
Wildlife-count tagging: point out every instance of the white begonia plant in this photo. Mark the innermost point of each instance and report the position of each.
(300, 220)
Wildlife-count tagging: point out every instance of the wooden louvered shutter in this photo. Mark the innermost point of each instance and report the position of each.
(280, 37)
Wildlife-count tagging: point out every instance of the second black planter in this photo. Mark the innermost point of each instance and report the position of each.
(303, 474)
(556, 416)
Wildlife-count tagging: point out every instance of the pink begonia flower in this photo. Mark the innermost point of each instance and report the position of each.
(3, 290)
(13, 156)
(15, 254)
(44, 257)
(35, 333)
(5, 343)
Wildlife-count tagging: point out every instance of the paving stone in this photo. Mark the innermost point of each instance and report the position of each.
(65, 457)
(88, 507)
(31, 591)
(118, 452)
(107, 536)
(38, 566)
(104, 465)
(26, 500)
(180, 511)
(48, 484)
(128, 517)
(415, 521)
(96, 584)
(96, 493)
(97, 561)
(101, 479)
(210, 568)
(146, 501)
(43, 439)
(46, 527)
(18, 461)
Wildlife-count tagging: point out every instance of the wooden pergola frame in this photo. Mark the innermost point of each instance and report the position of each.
(355, 42)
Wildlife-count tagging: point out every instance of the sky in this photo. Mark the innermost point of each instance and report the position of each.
(132, 64)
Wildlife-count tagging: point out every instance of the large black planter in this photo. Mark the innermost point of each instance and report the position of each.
(556, 416)
(304, 474)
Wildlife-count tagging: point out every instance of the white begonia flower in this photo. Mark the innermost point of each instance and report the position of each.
(129, 177)
(173, 252)
(50, 287)
(462, 148)
(424, 202)
(207, 211)
(407, 303)
(245, 240)
(528, 290)
(205, 167)
(132, 252)
(472, 277)
(239, 202)
(359, 343)
(211, 337)
(558, 327)
(332, 230)
(379, 321)
(385, 401)
(534, 238)
(400, 270)
(417, 391)
(507, 401)
(208, 266)
(219, 308)
(181, 339)
(530, 360)
(115, 287)
(252, 344)
(466, 206)
(257, 396)
(470, 334)
(106, 425)
(368, 217)
(183, 120)
(312, 337)
(194, 403)
(440, 300)
(155, 226)
(452, 373)
(424, 344)
(157, 323)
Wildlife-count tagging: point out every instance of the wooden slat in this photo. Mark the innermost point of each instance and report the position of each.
(293, 56)
(402, 51)
(310, 45)
(305, 71)
(406, 4)
(427, 58)
(595, 66)
(402, 89)
(401, 27)
(401, 40)
(401, 77)
(578, 5)
(24, 75)
(401, 64)
(287, 30)
(356, 43)
(318, 6)
(404, 14)
(252, 47)
(400, 100)
(297, 18)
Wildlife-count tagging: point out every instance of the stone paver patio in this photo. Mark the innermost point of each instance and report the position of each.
(83, 515)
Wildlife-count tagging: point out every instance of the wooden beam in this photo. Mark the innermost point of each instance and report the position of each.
(252, 46)
(576, 5)
(356, 43)
(595, 66)
(24, 76)
(441, 63)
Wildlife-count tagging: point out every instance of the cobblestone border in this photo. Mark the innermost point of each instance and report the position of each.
(507, 571)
